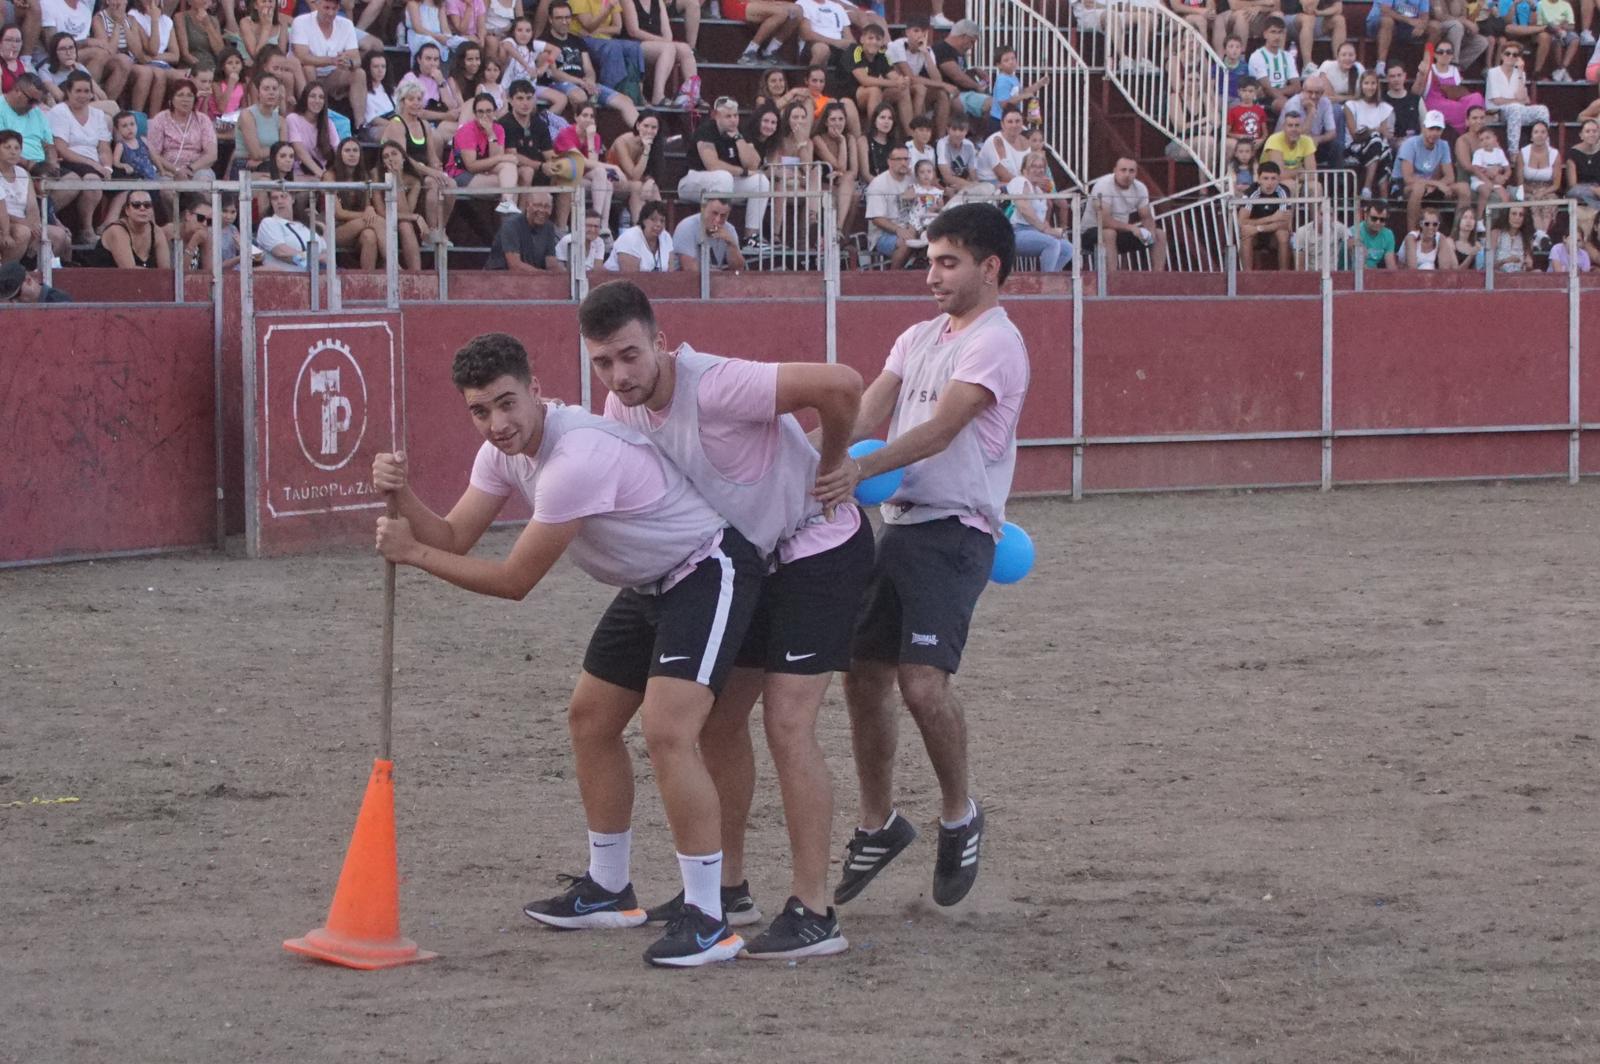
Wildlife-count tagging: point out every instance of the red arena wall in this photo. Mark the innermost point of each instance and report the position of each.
(128, 424)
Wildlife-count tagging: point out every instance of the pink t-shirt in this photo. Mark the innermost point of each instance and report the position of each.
(471, 137)
(567, 140)
(1000, 367)
(738, 404)
(588, 473)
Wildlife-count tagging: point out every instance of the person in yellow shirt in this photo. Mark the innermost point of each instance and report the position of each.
(1293, 151)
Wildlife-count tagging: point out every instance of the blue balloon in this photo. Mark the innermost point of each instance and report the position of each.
(873, 490)
(1013, 555)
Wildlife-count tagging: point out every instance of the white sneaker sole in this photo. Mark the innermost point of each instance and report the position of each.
(826, 948)
(608, 919)
(725, 950)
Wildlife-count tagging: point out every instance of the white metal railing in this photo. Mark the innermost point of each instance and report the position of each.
(1198, 232)
(1043, 51)
(1172, 78)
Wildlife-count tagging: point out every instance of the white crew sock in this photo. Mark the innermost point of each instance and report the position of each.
(702, 882)
(873, 831)
(609, 859)
(972, 811)
(751, 48)
(773, 46)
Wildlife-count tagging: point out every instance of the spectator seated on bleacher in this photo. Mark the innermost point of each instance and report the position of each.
(651, 27)
(1439, 85)
(708, 232)
(1264, 222)
(288, 243)
(1427, 248)
(1583, 165)
(1505, 94)
(1000, 158)
(644, 248)
(912, 57)
(594, 248)
(1509, 246)
(1118, 215)
(18, 285)
(1377, 239)
(1322, 233)
(83, 150)
(1292, 151)
(776, 22)
(950, 55)
(1274, 68)
(1425, 170)
(1369, 149)
(891, 196)
(1039, 223)
(833, 146)
(722, 160)
(1319, 120)
(1402, 20)
(526, 242)
(328, 46)
(574, 72)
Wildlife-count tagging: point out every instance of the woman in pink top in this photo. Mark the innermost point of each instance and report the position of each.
(1439, 84)
(581, 143)
(183, 142)
(311, 131)
(480, 158)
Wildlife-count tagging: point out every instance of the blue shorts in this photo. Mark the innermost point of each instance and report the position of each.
(885, 244)
(1402, 31)
(973, 103)
(603, 99)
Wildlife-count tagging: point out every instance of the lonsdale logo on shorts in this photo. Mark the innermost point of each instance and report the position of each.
(330, 405)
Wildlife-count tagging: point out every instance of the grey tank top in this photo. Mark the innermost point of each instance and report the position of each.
(959, 481)
(636, 550)
(765, 512)
(268, 130)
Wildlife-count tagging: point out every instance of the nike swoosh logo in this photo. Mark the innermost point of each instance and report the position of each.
(707, 941)
(584, 907)
(798, 657)
(681, 657)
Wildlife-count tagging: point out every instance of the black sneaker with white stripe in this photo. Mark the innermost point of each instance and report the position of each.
(868, 852)
(586, 903)
(798, 932)
(738, 907)
(955, 868)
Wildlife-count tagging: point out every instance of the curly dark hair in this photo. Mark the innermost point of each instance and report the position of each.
(487, 358)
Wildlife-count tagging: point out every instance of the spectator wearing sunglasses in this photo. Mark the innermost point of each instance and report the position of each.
(135, 241)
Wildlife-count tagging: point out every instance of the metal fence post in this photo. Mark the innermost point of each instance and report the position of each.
(1325, 240)
(1077, 359)
(830, 276)
(1574, 348)
(391, 242)
(247, 353)
(330, 247)
(218, 294)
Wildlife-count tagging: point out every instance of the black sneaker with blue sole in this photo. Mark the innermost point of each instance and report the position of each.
(693, 939)
(586, 903)
(868, 852)
(738, 908)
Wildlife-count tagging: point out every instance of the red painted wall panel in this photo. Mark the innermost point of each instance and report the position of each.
(108, 445)
(1201, 365)
(1163, 466)
(1449, 359)
(1443, 457)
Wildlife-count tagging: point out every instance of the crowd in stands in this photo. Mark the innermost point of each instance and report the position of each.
(470, 101)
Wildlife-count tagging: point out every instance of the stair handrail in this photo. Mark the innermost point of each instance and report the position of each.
(1043, 50)
(1173, 79)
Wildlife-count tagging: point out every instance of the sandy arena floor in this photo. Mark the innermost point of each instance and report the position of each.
(1282, 778)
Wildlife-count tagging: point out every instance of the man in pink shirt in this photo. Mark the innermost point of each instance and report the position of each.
(602, 495)
(728, 425)
(952, 389)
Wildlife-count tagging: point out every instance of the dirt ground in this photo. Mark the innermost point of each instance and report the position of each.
(1270, 777)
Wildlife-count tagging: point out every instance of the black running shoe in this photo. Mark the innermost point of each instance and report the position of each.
(798, 932)
(587, 904)
(955, 868)
(693, 939)
(738, 908)
(867, 853)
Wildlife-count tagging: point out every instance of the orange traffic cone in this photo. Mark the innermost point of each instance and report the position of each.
(363, 929)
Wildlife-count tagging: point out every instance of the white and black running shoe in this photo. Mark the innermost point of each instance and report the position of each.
(867, 853)
(738, 908)
(693, 939)
(955, 868)
(798, 932)
(586, 903)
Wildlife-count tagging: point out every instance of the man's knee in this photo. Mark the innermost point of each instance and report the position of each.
(923, 688)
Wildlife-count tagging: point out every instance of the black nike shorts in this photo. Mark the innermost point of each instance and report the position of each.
(925, 585)
(691, 632)
(807, 613)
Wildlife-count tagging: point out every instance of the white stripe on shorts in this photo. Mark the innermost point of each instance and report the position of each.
(719, 623)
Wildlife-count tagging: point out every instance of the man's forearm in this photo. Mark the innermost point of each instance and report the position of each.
(428, 527)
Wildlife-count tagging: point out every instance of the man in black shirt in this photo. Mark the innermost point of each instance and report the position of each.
(527, 135)
(574, 70)
(1262, 220)
(526, 242)
(950, 55)
(721, 160)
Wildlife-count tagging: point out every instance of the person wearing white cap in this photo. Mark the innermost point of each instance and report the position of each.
(1425, 169)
